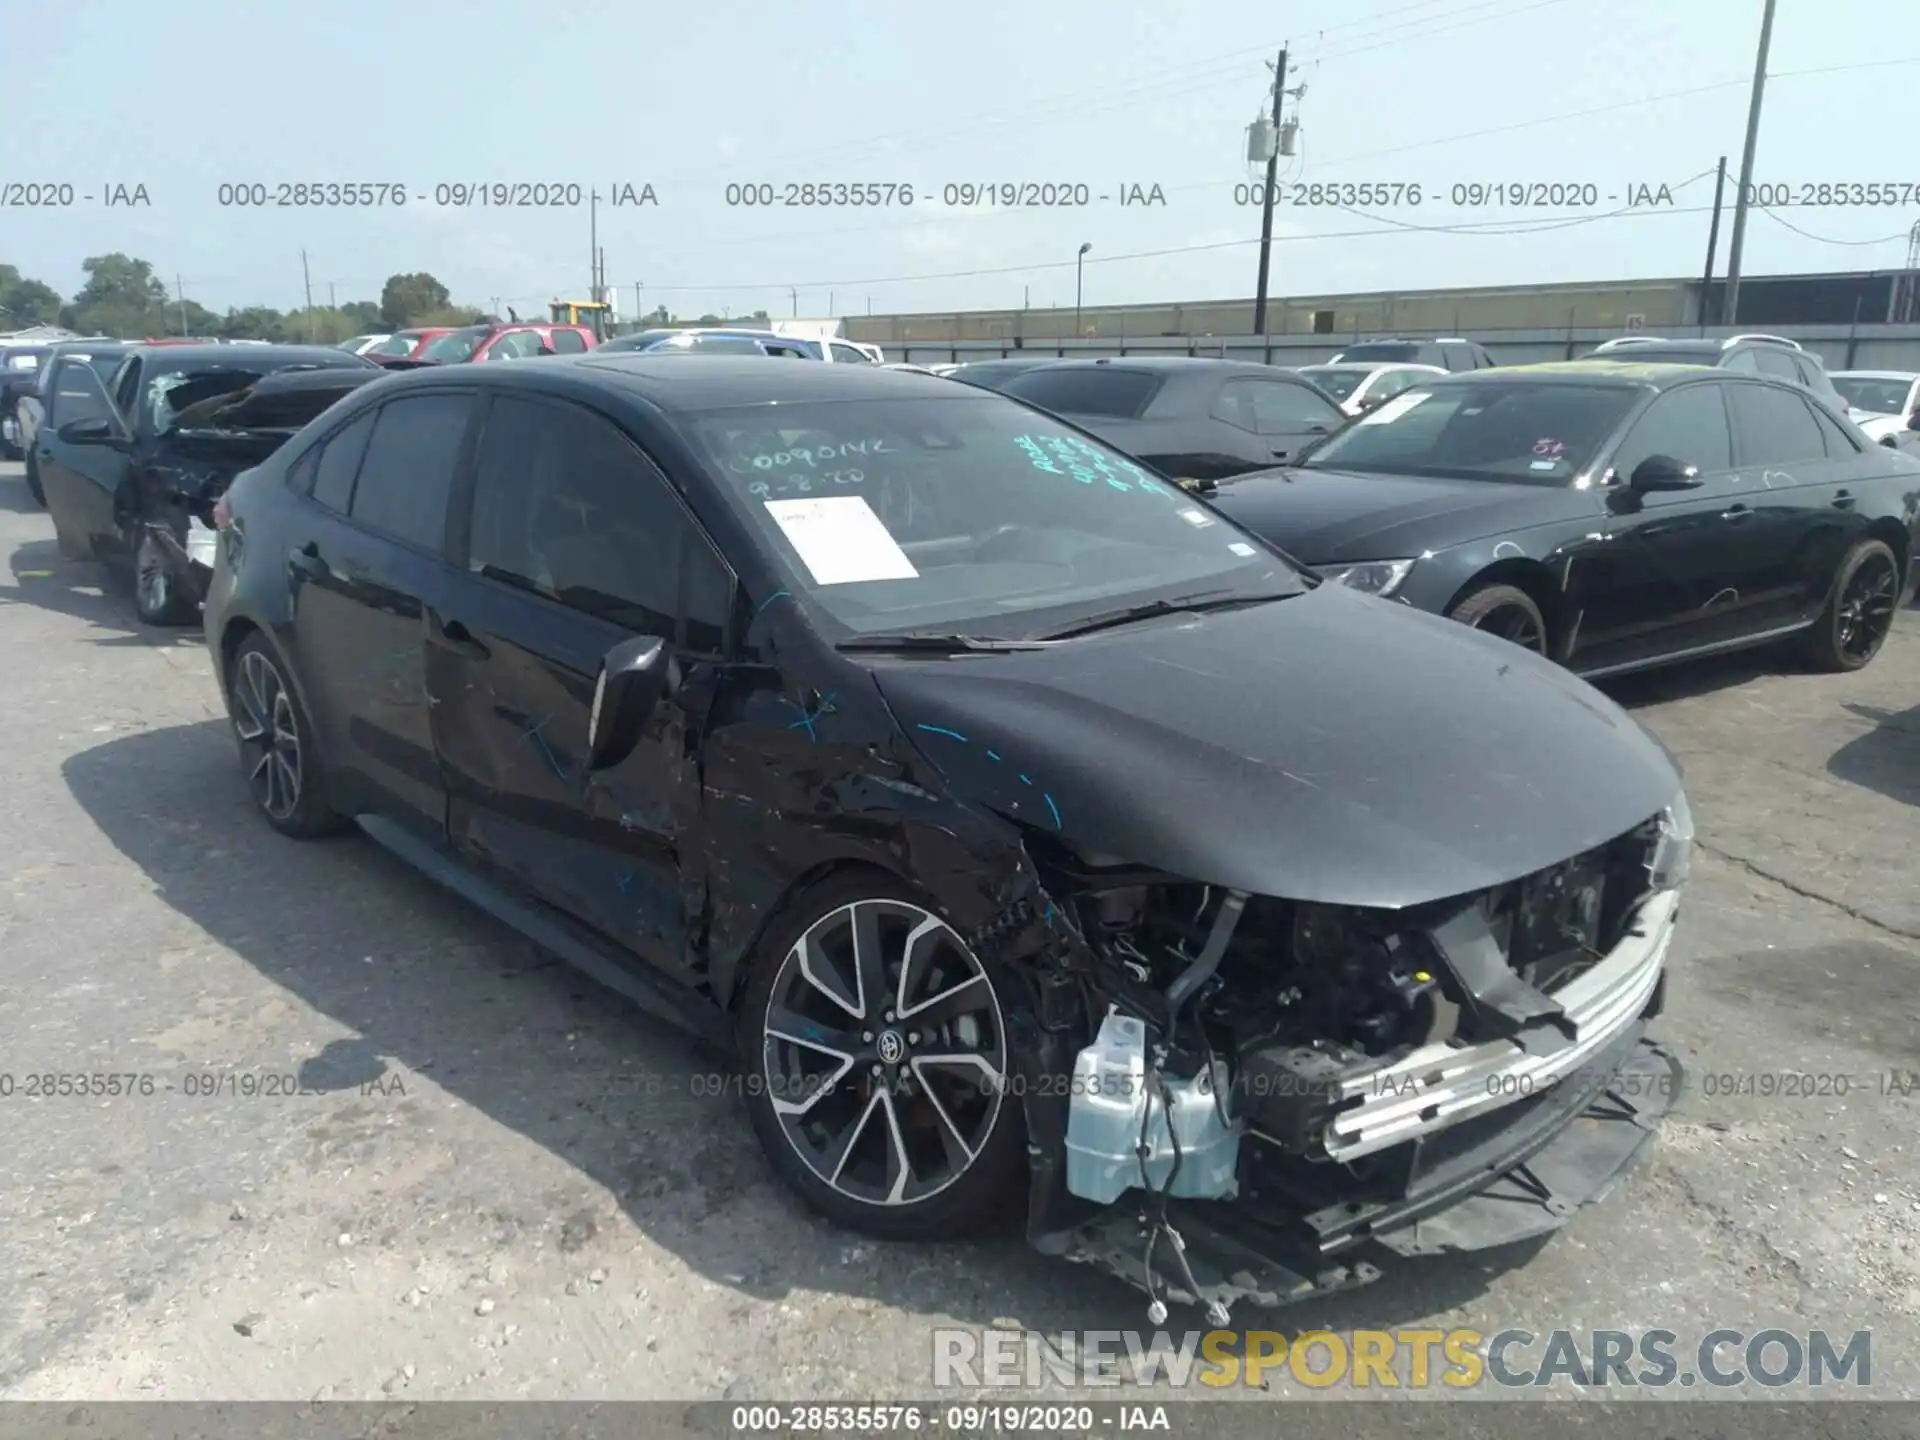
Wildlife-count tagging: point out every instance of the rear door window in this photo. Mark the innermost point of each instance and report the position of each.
(569, 342)
(1283, 409)
(1778, 364)
(407, 472)
(1775, 426)
(78, 394)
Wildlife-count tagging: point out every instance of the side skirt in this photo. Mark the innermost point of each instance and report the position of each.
(661, 998)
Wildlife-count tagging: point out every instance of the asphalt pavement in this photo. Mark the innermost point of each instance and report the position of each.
(392, 1150)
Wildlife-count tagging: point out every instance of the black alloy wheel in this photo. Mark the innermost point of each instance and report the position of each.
(1506, 611)
(276, 744)
(1859, 613)
(878, 1072)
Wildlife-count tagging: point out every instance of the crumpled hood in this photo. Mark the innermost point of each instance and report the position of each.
(1332, 747)
(1326, 516)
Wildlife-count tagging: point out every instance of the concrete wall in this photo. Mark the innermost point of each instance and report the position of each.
(1867, 347)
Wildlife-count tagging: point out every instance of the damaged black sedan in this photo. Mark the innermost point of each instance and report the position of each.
(1020, 819)
(132, 473)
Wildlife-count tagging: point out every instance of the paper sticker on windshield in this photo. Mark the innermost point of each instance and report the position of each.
(1199, 519)
(1395, 408)
(1544, 465)
(840, 540)
(1240, 547)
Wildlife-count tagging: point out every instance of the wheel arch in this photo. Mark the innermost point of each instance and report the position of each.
(1898, 539)
(727, 976)
(1530, 576)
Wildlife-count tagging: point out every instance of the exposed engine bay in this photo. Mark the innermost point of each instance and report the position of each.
(1334, 1073)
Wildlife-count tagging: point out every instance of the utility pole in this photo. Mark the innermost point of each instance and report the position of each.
(330, 300)
(1079, 271)
(1735, 246)
(1713, 242)
(636, 302)
(1266, 200)
(593, 246)
(180, 293)
(307, 275)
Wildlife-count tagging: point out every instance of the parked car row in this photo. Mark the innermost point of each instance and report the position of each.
(1140, 781)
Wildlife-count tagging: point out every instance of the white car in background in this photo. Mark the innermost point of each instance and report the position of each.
(361, 344)
(1878, 394)
(1359, 385)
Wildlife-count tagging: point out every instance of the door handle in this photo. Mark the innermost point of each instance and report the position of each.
(452, 635)
(1736, 512)
(1279, 454)
(1844, 500)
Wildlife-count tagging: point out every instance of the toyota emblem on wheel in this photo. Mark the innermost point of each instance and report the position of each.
(892, 1049)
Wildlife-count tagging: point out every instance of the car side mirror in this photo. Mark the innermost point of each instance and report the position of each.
(1913, 421)
(94, 431)
(634, 678)
(1663, 472)
(1891, 442)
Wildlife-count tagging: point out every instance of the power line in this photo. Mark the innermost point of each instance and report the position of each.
(1459, 24)
(1826, 239)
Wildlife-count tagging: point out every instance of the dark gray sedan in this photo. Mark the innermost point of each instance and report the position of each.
(1609, 517)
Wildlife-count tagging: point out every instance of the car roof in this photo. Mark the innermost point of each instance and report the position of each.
(223, 355)
(1874, 374)
(712, 382)
(1606, 370)
(89, 347)
(1175, 365)
(1377, 365)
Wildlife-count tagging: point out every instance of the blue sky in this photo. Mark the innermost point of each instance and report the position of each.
(1110, 93)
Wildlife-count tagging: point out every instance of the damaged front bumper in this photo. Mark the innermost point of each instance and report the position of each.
(1448, 1147)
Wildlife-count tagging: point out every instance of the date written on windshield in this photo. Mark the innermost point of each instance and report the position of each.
(65, 195)
(454, 194)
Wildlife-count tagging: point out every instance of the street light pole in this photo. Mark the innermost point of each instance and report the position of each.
(1079, 270)
(1735, 245)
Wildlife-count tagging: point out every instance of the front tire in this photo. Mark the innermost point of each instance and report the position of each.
(876, 1058)
(1506, 611)
(156, 589)
(1859, 613)
(277, 752)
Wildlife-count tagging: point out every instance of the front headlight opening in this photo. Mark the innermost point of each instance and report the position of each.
(1672, 860)
(1371, 577)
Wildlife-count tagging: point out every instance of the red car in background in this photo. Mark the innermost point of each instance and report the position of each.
(406, 344)
(476, 343)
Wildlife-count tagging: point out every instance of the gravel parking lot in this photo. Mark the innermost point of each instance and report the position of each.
(495, 1180)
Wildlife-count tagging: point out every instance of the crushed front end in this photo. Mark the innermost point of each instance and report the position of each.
(1234, 1096)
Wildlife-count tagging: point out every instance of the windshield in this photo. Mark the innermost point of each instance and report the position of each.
(1877, 393)
(1529, 432)
(969, 515)
(1384, 350)
(1110, 394)
(455, 346)
(1337, 382)
(401, 345)
(172, 391)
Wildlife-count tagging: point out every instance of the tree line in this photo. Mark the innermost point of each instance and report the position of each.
(122, 297)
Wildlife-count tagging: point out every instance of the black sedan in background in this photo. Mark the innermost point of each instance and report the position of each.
(1610, 517)
(905, 737)
(1189, 418)
(19, 373)
(63, 393)
(132, 472)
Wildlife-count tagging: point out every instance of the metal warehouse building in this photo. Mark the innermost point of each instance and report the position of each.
(1864, 297)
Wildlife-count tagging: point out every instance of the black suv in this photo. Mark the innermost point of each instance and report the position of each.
(1773, 355)
(1449, 352)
